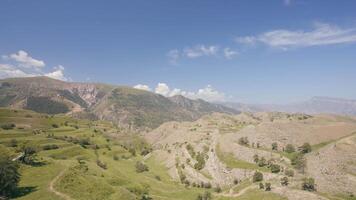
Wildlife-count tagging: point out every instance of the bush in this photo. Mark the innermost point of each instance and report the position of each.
(255, 158)
(262, 162)
(205, 196)
(243, 141)
(132, 151)
(289, 148)
(50, 147)
(274, 146)
(275, 168)
(298, 161)
(268, 186)
(257, 176)
(305, 148)
(29, 154)
(236, 181)
(261, 186)
(13, 143)
(8, 126)
(55, 125)
(116, 157)
(308, 184)
(200, 164)
(9, 176)
(141, 167)
(284, 181)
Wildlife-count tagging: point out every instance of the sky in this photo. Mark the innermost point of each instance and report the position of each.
(251, 51)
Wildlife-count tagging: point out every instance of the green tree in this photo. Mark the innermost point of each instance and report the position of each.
(268, 186)
(275, 168)
(9, 176)
(262, 162)
(257, 176)
(29, 154)
(255, 158)
(141, 167)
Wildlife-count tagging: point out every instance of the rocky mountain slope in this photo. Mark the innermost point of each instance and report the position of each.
(125, 106)
(209, 150)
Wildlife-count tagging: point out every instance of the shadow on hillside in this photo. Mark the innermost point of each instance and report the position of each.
(22, 191)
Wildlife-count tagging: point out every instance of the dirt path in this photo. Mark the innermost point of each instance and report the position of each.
(51, 186)
(241, 192)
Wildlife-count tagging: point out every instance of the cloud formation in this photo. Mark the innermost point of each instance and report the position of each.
(198, 51)
(208, 93)
(21, 64)
(321, 34)
(142, 87)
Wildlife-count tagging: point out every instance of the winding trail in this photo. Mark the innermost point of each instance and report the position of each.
(241, 192)
(51, 186)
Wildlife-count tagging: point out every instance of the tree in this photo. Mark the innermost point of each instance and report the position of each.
(8, 126)
(284, 181)
(305, 148)
(308, 184)
(299, 162)
(268, 186)
(217, 189)
(275, 168)
(9, 176)
(257, 176)
(29, 152)
(289, 148)
(274, 146)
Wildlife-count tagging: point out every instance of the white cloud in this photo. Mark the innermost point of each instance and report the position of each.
(58, 73)
(10, 71)
(162, 89)
(25, 60)
(208, 93)
(228, 53)
(321, 34)
(142, 87)
(173, 56)
(23, 65)
(200, 50)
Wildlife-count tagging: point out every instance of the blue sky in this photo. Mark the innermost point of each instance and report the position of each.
(276, 51)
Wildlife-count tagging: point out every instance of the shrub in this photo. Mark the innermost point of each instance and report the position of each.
(29, 154)
(275, 168)
(158, 178)
(200, 161)
(255, 158)
(8, 126)
(308, 184)
(298, 161)
(236, 181)
(274, 146)
(289, 148)
(207, 185)
(116, 157)
(50, 146)
(261, 186)
(243, 141)
(132, 151)
(141, 167)
(284, 181)
(205, 196)
(257, 176)
(305, 148)
(9, 176)
(262, 162)
(268, 186)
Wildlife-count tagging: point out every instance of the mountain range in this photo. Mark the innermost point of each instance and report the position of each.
(122, 105)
